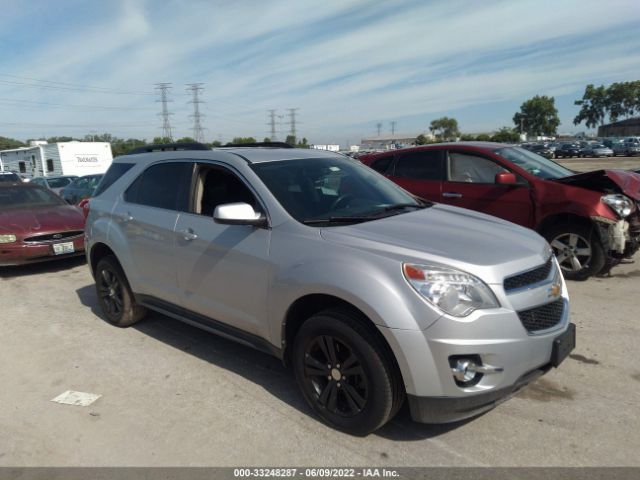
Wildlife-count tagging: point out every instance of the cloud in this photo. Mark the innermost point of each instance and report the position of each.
(344, 64)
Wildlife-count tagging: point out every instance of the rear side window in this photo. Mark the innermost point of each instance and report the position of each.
(116, 170)
(165, 185)
(381, 165)
(424, 165)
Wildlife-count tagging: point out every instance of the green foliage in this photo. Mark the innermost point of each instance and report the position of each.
(421, 140)
(445, 128)
(9, 143)
(239, 140)
(538, 116)
(483, 137)
(291, 140)
(467, 137)
(215, 144)
(161, 140)
(59, 139)
(266, 140)
(303, 143)
(506, 135)
(621, 99)
(593, 106)
(185, 140)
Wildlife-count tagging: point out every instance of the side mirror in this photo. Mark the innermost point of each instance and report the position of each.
(506, 178)
(238, 214)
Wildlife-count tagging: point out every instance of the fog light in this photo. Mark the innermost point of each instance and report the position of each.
(464, 370)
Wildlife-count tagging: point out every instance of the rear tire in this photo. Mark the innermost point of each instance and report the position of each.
(578, 249)
(346, 373)
(114, 294)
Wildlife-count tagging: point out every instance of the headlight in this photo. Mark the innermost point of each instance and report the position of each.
(452, 291)
(7, 238)
(620, 204)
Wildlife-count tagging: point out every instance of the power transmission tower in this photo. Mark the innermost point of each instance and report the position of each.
(379, 127)
(393, 128)
(292, 121)
(164, 88)
(272, 124)
(198, 132)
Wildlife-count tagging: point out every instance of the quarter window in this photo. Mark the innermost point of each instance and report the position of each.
(165, 185)
(217, 186)
(49, 165)
(424, 165)
(472, 169)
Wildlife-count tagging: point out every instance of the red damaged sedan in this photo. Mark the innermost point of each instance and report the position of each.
(37, 225)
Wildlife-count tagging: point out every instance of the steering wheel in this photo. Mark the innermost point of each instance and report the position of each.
(341, 201)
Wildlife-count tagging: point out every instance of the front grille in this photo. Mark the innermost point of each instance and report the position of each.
(528, 278)
(542, 318)
(54, 237)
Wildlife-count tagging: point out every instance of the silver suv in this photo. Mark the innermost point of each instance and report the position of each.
(370, 294)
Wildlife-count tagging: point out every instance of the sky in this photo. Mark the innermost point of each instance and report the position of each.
(77, 67)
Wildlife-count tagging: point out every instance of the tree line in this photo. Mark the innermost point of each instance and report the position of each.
(121, 146)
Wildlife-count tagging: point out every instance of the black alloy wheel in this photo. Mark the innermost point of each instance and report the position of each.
(346, 371)
(335, 373)
(114, 294)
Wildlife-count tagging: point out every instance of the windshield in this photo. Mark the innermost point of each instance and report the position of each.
(27, 197)
(533, 163)
(59, 182)
(317, 189)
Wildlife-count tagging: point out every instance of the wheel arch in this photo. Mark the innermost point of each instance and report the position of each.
(97, 253)
(308, 305)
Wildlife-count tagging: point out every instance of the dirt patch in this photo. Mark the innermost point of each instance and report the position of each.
(545, 391)
(636, 377)
(583, 359)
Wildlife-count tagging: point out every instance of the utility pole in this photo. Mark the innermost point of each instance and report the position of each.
(195, 89)
(164, 88)
(292, 121)
(272, 124)
(393, 127)
(379, 127)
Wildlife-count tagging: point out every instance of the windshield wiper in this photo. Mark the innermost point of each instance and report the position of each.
(400, 206)
(314, 221)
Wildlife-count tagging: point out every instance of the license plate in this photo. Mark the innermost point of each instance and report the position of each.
(62, 248)
(563, 345)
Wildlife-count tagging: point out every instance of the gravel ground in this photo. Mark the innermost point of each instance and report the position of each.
(175, 395)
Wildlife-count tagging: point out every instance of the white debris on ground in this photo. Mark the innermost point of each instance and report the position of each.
(80, 399)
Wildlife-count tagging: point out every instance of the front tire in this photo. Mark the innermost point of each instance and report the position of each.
(346, 373)
(578, 249)
(114, 294)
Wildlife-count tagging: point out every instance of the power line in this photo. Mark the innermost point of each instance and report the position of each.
(195, 89)
(39, 83)
(21, 102)
(163, 88)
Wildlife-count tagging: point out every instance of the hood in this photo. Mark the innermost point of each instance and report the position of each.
(451, 236)
(606, 181)
(25, 222)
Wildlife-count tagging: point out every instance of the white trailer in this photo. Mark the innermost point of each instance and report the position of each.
(43, 159)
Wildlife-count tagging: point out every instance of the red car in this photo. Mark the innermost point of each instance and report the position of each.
(591, 220)
(37, 225)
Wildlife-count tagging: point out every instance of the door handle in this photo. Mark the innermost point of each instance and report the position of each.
(452, 195)
(188, 234)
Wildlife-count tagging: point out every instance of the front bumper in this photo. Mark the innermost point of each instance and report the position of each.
(454, 409)
(13, 254)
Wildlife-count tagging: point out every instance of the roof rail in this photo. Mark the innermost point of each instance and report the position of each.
(168, 147)
(260, 144)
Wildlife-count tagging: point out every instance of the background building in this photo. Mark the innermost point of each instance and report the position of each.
(624, 128)
(390, 142)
